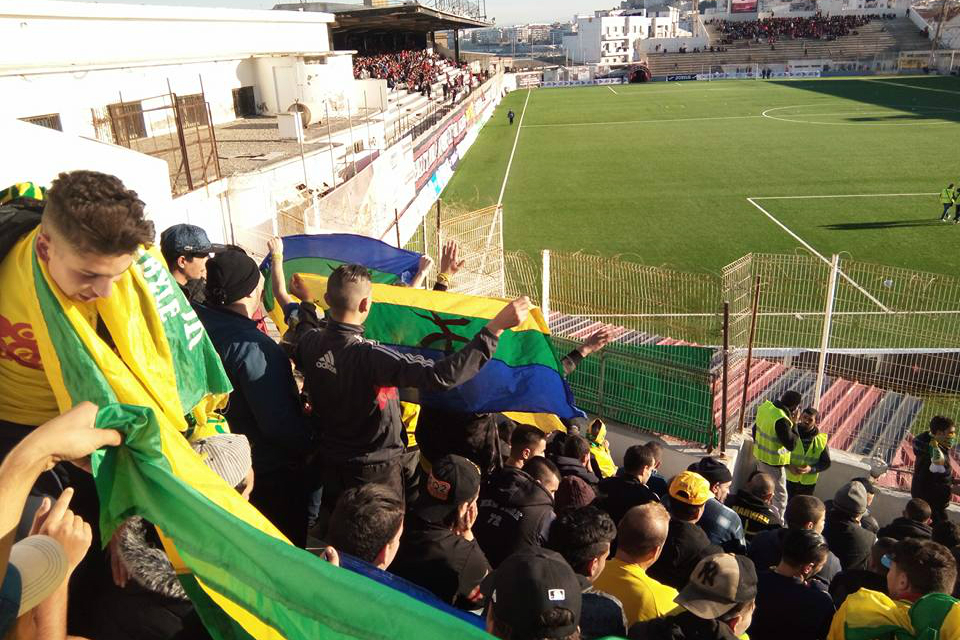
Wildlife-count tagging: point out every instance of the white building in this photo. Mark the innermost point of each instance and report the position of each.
(72, 65)
(610, 37)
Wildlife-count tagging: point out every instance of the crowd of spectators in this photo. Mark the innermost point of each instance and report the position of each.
(541, 534)
(414, 70)
(770, 30)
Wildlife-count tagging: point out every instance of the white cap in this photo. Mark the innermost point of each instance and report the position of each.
(42, 565)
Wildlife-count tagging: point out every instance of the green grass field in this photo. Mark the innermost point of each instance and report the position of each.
(661, 173)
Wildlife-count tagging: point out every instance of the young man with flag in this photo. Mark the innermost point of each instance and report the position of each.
(352, 382)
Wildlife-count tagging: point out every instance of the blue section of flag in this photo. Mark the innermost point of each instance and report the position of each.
(499, 387)
(353, 249)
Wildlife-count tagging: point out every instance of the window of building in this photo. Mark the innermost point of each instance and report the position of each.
(193, 109)
(126, 119)
(50, 121)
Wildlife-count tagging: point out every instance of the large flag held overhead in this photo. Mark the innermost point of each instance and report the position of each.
(321, 254)
(524, 375)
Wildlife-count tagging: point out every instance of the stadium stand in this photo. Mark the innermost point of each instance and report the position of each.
(874, 38)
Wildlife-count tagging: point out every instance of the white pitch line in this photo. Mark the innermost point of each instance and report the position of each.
(588, 124)
(819, 255)
(849, 195)
(516, 139)
(611, 89)
(910, 86)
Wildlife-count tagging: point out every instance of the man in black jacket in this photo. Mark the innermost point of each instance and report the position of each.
(933, 473)
(352, 382)
(629, 487)
(718, 604)
(914, 523)
(575, 460)
(752, 504)
(437, 547)
(686, 543)
(516, 509)
(583, 536)
(265, 404)
(847, 539)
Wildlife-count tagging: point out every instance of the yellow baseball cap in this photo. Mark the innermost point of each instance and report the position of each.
(691, 488)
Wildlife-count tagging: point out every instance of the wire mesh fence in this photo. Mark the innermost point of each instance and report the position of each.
(876, 353)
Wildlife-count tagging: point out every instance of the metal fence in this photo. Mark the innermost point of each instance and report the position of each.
(176, 129)
(872, 347)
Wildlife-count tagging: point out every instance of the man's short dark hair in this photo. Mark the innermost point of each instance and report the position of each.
(636, 458)
(557, 617)
(810, 411)
(345, 284)
(881, 547)
(940, 424)
(525, 436)
(803, 509)
(761, 485)
(656, 450)
(580, 535)
(803, 546)
(928, 565)
(947, 533)
(364, 520)
(918, 510)
(95, 213)
(576, 447)
(682, 510)
(541, 469)
(791, 399)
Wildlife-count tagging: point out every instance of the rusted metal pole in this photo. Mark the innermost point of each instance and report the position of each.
(726, 377)
(746, 372)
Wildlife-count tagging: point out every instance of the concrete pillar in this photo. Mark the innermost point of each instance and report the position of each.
(456, 45)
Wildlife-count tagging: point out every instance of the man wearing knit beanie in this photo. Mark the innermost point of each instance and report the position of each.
(573, 492)
(265, 403)
(721, 523)
(850, 542)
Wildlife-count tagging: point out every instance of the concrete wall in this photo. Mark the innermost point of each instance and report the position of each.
(887, 505)
(116, 33)
(43, 153)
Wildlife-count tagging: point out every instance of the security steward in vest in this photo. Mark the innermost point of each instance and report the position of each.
(774, 437)
(809, 458)
(948, 197)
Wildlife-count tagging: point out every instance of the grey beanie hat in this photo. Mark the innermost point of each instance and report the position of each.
(851, 498)
(228, 454)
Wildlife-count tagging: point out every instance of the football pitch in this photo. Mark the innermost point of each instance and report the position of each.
(694, 175)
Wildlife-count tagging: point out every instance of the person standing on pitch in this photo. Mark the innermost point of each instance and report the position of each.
(774, 437)
(511, 115)
(809, 458)
(948, 198)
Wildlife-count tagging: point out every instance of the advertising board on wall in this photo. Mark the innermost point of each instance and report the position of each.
(582, 83)
(743, 6)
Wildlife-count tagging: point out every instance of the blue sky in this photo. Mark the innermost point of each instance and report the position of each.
(505, 11)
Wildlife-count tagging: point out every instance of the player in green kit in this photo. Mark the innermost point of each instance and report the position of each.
(948, 198)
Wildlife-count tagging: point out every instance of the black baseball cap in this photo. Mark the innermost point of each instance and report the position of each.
(453, 481)
(530, 583)
(712, 469)
(186, 240)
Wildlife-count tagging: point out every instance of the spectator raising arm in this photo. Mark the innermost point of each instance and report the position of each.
(277, 277)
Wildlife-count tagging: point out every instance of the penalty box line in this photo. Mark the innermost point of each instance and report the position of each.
(810, 248)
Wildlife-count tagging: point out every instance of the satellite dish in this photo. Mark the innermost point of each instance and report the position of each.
(304, 112)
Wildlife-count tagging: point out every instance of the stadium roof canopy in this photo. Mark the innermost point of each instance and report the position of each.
(408, 16)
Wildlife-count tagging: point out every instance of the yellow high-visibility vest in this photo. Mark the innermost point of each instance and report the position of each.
(767, 447)
(809, 457)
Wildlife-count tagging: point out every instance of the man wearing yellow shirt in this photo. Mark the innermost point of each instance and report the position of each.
(640, 538)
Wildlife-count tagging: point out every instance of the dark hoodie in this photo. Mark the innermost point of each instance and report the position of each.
(684, 626)
(515, 511)
(850, 542)
(755, 513)
(619, 493)
(903, 527)
(573, 467)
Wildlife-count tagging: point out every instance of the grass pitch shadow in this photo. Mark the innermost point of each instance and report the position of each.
(883, 224)
(929, 92)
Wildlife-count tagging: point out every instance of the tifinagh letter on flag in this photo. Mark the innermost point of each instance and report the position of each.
(321, 254)
(524, 374)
